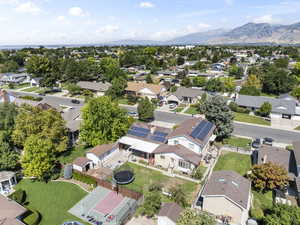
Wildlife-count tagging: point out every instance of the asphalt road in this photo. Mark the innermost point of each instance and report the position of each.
(282, 136)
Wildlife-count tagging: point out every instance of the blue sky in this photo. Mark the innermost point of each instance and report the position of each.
(94, 21)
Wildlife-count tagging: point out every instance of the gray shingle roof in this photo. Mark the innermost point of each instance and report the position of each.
(278, 105)
(170, 210)
(94, 86)
(229, 184)
(187, 92)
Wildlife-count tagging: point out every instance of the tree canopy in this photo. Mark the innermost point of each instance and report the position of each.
(281, 214)
(192, 217)
(146, 110)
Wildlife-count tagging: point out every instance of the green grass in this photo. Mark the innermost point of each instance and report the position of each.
(242, 117)
(297, 128)
(192, 110)
(73, 153)
(144, 177)
(269, 95)
(52, 200)
(123, 101)
(238, 142)
(234, 161)
(31, 89)
(178, 109)
(262, 200)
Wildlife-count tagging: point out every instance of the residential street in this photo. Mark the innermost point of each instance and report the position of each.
(282, 136)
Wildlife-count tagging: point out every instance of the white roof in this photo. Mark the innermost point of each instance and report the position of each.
(134, 143)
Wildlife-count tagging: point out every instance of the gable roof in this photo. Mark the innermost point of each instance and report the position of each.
(230, 184)
(136, 87)
(281, 106)
(94, 86)
(81, 161)
(170, 210)
(186, 128)
(102, 149)
(181, 151)
(187, 92)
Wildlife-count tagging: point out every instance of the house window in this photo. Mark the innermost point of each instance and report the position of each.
(176, 142)
(191, 145)
(184, 164)
(162, 156)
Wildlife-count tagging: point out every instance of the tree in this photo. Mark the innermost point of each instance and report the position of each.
(236, 71)
(8, 156)
(9, 66)
(180, 61)
(265, 109)
(268, 176)
(281, 214)
(38, 66)
(151, 204)
(214, 85)
(193, 217)
(178, 196)
(186, 82)
(250, 90)
(73, 89)
(103, 121)
(117, 88)
(197, 173)
(216, 111)
(8, 113)
(199, 81)
(38, 159)
(149, 79)
(253, 81)
(48, 124)
(146, 110)
(229, 84)
(282, 62)
(296, 92)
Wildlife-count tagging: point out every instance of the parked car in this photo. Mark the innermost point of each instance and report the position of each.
(133, 114)
(42, 94)
(256, 143)
(172, 106)
(75, 101)
(268, 141)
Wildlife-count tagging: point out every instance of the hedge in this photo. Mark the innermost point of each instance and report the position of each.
(28, 97)
(84, 178)
(19, 196)
(34, 218)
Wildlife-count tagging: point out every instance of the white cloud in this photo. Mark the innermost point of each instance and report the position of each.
(28, 7)
(76, 11)
(229, 2)
(266, 19)
(147, 5)
(108, 29)
(9, 2)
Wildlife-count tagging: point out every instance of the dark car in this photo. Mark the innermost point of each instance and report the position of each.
(268, 141)
(133, 114)
(42, 94)
(75, 101)
(256, 143)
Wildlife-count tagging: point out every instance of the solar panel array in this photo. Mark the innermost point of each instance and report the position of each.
(139, 131)
(159, 136)
(202, 130)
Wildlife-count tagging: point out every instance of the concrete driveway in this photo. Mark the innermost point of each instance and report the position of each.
(141, 221)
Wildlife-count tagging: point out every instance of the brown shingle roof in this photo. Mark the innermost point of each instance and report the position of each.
(296, 146)
(230, 184)
(185, 129)
(81, 161)
(181, 151)
(101, 149)
(170, 210)
(136, 87)
(9, 210)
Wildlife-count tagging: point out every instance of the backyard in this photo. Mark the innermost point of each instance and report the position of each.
(144, 177)
(243, 117)
(73, 153)
(52, 200)
(234, 161)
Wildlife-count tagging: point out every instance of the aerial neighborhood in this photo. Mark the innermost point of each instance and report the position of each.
(156, 135)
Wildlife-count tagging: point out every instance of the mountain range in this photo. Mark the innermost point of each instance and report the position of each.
(250, 33)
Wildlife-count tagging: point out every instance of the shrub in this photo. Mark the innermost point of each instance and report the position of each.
(257, 213)
(235, 108)
(84, 178)
(197, 174)
(155, 187)
(19, 196)
(33, 218)
(31, 98)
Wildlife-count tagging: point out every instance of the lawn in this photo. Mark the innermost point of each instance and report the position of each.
(262, 200)
(242, 117)
(238, 142)
(52, 200)
(73, 153)
(297, 128)
(178, 109)
(192, 110)
(144, 177)
(239, 163)
(31, 89)
(123, 101)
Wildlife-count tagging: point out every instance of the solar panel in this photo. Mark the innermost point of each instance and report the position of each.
(158, 138)
(140, 129)
(198, 129)
(161, 134)
(205, 130)
(138, 134)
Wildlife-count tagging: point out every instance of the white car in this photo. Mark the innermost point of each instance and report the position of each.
(172, 106)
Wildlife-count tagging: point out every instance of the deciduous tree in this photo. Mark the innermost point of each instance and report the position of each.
(146, 110)
(192, 217)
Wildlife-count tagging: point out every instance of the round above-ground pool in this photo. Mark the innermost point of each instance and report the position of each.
(123, 177)
(72, 223)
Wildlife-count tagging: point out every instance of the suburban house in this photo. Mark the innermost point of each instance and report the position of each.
(16, 78)
(101, 153)
(166, 73)
(169, 214)
(8, 180)
(185, 95)
(142, 140)
(35, 82)
(99, 88)
(11, 212)
(176, 157)
(195, 134)
(139, 89)
(227, 195)
(281, 108)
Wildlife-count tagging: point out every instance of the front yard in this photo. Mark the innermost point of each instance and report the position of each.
(31, 89)
(238, 142)
(243, 117)
(144, 177)
(52, 200)
(192, 110)
(239, 163)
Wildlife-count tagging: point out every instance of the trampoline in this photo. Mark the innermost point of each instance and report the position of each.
(72, 223)
(123, 177)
